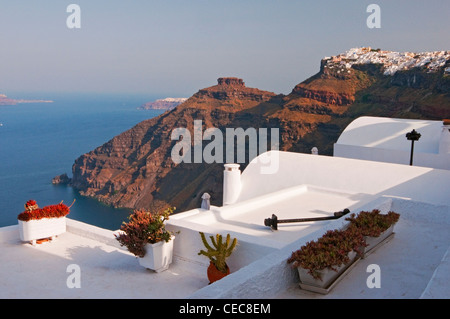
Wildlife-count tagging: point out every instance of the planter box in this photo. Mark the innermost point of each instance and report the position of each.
(329, 276)
(158, 256)
(43, 228)
(374, 242)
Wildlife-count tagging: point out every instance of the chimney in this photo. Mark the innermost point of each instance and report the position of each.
(444, 141)
(231, 183)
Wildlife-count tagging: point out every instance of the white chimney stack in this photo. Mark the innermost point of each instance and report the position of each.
(444, 141)
(231, 183)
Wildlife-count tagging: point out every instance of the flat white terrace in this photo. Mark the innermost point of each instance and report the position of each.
(107, 271)
(414, 264)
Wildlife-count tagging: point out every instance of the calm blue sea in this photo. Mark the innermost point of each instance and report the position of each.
(41, 140)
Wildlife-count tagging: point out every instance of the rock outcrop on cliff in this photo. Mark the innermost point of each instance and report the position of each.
(135, 168)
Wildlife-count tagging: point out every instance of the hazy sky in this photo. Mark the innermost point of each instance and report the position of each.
(174, 48)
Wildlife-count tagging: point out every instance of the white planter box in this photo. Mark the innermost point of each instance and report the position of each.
(328, 275)
(373, 242)
(158, 256)
(42, 228)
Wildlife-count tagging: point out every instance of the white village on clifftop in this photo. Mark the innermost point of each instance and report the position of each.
(391, 61)
(369, 170)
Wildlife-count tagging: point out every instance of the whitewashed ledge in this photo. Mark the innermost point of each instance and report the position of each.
(101, 235)
(414, 264)
(438, 287)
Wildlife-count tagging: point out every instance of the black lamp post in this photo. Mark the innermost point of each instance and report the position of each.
(412, 136)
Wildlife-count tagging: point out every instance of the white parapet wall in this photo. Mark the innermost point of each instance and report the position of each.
(188, 244)
(384, 140)
(102, 235)
(434, 160)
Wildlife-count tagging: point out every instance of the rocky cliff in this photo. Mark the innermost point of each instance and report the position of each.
(135, 168)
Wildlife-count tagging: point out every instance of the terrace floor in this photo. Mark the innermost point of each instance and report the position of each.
(41, 271)
(414, 264)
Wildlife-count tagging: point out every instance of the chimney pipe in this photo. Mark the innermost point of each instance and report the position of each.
(231, 183)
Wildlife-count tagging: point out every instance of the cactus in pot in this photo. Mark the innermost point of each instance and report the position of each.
(217, 252)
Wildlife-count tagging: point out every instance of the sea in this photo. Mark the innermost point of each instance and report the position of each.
(39, 141)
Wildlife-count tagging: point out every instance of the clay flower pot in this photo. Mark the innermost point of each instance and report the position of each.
(215, 274)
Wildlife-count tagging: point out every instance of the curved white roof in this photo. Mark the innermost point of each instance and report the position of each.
(390, 133)
(344, 175)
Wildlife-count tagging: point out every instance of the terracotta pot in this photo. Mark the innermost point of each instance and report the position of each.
(215, 274)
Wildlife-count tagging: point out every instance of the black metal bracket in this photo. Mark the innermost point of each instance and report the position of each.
(274, 221)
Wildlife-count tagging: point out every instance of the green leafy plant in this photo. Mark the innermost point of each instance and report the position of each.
(372, 223)
(218, 251)
(329, 251)
(144, 227)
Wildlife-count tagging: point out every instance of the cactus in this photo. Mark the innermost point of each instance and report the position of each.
(219, 251)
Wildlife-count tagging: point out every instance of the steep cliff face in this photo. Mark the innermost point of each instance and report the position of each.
(136, 167)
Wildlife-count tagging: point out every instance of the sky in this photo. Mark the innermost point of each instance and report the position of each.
(176, 47)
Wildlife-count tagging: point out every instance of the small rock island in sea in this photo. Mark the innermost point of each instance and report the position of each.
(62, 179)
(4, 100)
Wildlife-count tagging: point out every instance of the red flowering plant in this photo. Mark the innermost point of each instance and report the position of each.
(33, 212)
(329, 251)
(144, 227)
(373, 223)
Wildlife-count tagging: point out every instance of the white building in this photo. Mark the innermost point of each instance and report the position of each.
(384, 139)
(414, 264)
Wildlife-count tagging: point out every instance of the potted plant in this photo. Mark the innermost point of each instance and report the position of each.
(321, 262)
(217, 253)
(374, 226)
(41, 223)
(146, 237)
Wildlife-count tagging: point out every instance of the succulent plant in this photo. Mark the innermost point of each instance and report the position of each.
(372, 223)
(143, 228)
(219, 251)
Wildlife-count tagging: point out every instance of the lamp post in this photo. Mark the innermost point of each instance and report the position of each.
(412, 136)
